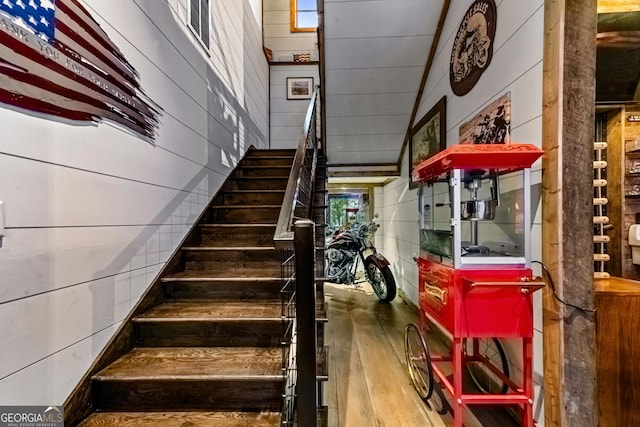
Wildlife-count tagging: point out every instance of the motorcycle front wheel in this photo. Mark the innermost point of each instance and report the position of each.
(382, 281)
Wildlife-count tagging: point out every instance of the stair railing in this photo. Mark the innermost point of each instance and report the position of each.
(294, 237)
(298, 197)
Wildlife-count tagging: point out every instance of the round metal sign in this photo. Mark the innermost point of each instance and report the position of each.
(473, 46)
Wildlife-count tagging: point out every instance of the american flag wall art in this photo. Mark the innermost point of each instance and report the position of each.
(56, 59)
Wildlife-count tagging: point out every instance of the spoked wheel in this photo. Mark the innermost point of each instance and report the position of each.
(491, 350)
(418, 361)
(382, 281)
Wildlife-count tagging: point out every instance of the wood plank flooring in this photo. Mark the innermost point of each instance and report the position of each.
(190, 419)
(368, 381)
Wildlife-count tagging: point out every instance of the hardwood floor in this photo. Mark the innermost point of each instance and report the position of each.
(368, 381)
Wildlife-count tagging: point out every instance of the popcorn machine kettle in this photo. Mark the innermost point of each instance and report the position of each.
(475, 278)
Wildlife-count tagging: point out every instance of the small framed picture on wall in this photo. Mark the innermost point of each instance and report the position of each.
(299, 87)
(428, 137)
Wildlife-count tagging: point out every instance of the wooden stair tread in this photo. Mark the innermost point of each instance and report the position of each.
(246, 206)
(196, 363)
(258, 178)
(271, 152)
(254, 191)
(229, 248)
(237, 225)
(279, 156)
(252, 275)
(214, 310)
(287, 167)
(183, 419)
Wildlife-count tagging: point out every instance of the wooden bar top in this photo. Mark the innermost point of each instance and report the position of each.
(617, 286)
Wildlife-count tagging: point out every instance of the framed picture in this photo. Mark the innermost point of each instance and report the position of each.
(299, 87)
(428, 137)
(492, 125)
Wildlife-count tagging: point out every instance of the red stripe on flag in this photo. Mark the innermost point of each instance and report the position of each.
(36, 58)
(80, 18)
(82, 76)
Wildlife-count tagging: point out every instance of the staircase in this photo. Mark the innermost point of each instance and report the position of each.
(204, 347)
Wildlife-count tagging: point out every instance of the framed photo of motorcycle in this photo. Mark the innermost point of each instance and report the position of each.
(492, 125)
(428, 136)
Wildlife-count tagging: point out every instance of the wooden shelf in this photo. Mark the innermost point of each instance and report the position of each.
(295, 63)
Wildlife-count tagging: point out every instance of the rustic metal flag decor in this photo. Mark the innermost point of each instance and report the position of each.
(56, 59)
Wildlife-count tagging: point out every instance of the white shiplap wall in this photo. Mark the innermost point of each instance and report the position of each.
(516, 67)
(278, 36)
(287, 115)
(93, 212)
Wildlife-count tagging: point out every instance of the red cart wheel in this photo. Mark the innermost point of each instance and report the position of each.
(418, 361)
(491, 352)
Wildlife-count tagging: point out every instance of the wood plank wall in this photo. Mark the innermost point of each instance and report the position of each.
(615, 194)
(568, 116)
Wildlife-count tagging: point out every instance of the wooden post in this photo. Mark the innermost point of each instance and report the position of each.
(568, 130)
(306, 388)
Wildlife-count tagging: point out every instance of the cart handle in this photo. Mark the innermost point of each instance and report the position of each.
(526, 286)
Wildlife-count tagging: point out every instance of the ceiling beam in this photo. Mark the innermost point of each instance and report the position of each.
(425, 75)
(614, 6)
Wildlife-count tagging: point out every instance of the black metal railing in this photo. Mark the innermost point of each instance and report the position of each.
(294, 237)
(298, 198)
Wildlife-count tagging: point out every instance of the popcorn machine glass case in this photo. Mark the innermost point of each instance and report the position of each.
(475, 217)
(475, 280)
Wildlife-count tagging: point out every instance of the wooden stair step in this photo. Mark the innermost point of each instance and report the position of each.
(216, 363)
(192, 378)
(277, 152)
(267, 161)
(250, 197)
(183, 419)
(255, 183)
(185, 286)
(247, 214)
(222, 249)
(232, 258)
(260, 171)
(253, 310)
(248, 273)
(237, 235)
(249, 323)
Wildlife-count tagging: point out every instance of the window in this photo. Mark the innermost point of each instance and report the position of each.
(199, 20)
(304, 15)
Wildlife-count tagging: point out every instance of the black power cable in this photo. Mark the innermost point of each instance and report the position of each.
(553, 289)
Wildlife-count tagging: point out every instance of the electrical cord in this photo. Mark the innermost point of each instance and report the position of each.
(553, 289)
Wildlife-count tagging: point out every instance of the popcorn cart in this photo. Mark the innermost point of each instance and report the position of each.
(475, 280)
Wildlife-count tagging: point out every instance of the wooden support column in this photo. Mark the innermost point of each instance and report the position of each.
(568, 129)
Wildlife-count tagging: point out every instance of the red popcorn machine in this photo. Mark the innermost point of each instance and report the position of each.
(475, 278)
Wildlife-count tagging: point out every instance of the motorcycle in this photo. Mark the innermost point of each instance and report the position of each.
(346, 249)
